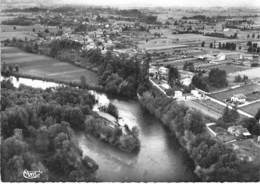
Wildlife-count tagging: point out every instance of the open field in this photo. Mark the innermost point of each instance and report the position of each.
(37, 27)
(246, 89)
(205, 108)
(16, 34)
(8, 31)
(43, 66)
(230, 68)
(251, 108)
(211, 105)
(253, 96)
(180, 40)
(253, 73)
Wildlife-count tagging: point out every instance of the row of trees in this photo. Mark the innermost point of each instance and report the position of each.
(227, 46)
(253, 35)
(239, 78)
(21, 21)
(253, 47)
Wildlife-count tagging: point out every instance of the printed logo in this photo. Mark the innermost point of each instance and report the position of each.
(31, 174)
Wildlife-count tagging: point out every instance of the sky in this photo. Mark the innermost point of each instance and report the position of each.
(169, 3)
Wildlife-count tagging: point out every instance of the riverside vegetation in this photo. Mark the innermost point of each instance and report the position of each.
(38, 128)
(213, 160)
(117, 74)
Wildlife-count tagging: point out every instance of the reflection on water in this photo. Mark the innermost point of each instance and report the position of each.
(160, 157)
(30, 82)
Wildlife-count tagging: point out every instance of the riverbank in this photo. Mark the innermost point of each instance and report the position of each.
(159, 158)
(207, 153)
(122, 137)
(98, 88)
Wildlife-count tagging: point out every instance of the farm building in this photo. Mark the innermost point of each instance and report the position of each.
(240, 98)
(238, 131)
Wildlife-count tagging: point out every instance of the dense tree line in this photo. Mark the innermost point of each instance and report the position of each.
(21, 21)
(37, 132)
(229, 117)
(26, 45)
(120, 74)
(216, 78)
(253, 47)
(252, 124)
(110, 109)
(213, 160)
(57, 46)
(227, 46)
(85, 28)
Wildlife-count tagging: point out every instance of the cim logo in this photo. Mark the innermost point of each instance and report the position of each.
(31, 174)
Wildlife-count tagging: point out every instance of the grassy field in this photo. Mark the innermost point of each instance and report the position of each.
(16, 34)
(246, 89)
(43, 66)
(8, 31)
(253, 96)
(251, 108)
(230, 68)
(253, 73)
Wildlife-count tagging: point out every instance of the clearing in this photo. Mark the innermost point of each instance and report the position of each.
(47, 67)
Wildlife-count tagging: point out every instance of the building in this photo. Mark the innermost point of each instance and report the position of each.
(238, 131)
(240, 98)
(178, 94)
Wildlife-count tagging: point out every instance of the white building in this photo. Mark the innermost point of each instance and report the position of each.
(240, 98)
(178, 94)
(238, 131)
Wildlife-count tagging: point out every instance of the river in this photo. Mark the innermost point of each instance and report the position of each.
(160, 158)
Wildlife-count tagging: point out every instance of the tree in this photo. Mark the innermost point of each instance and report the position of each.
(135, 132)
(252, 125)
(257, 116)
(173, 76)
(189, 66)
(83, 82)
(225, 115)
(238, 78)
(111, 109)
(229, 116)
(194, 122)
(75, 117)
(46, 30)
(218, 78)
(219, 45)
(199, 81)
(42, 139)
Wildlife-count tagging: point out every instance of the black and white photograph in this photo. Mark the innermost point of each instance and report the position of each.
(130, 91)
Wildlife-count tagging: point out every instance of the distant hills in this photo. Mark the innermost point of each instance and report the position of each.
(7, 4)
